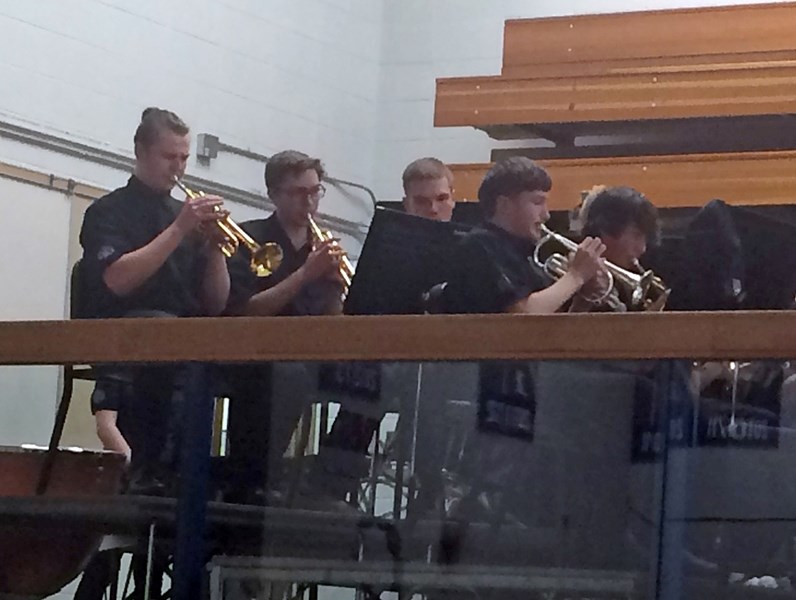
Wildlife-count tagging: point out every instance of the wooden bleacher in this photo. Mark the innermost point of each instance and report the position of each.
(502, 106)
(685, 105)
(670, 181)
(623, 73)
(693, 38)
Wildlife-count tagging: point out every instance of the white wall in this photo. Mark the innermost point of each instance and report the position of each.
(36, 251)
(426, 39)
(263, 75)
(35, 260)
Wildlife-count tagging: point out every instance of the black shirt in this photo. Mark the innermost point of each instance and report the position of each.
(492, 270)
(123, 221)
(244, 284)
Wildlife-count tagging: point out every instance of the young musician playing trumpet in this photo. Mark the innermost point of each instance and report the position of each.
(146, 254)
(494, 270)
(308, 281)
(627, 223)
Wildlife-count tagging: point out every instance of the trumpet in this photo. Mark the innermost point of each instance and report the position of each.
(265, 258)
(320, 236)
(656, 294)
(645, 290)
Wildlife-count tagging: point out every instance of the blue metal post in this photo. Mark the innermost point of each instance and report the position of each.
(189, 551)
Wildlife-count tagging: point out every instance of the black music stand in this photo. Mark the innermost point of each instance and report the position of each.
(734, 258)
(768, 251)
(403, 257)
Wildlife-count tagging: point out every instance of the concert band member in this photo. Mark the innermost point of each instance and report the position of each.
(494, 270)
(428, 189)
(146, 254)
(306, 282)
(627, 223)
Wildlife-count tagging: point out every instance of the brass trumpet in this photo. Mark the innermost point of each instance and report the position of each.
(265, 258)
(656, 294)
(646, 291)
(346, 268)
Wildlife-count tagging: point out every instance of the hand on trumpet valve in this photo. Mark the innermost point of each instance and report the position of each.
(586, 261)
(598, 286)
(198, 211)
(214, 236)
(323, 261)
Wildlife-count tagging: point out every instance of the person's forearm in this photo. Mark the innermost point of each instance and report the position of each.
(550, 299)
(273, 300)
(125, 275)
(113, 440)
(215, 285)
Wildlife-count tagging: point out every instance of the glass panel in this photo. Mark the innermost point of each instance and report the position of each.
(728, 520)
(572, 479)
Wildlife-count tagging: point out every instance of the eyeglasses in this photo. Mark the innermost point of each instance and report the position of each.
(299, 193)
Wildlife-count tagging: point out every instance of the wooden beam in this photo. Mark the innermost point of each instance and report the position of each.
(489, 101)
(459, 337)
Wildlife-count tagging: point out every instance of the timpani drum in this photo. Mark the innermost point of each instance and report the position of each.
(38, 556)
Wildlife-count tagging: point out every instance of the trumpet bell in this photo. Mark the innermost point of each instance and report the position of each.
(266, 259)
(659, 303)
(648, 292)
(643, 286)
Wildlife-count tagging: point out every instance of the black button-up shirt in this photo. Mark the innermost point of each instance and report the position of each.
(125, 220)
(244, 284)
(492, 270)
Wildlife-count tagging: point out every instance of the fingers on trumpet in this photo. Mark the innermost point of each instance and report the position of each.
(326, 243)
(322, 262)
(586, 260)
(213, 233)
(199, 207)
(197, 211)
(213, 217)
(209, 207)
(599, 285)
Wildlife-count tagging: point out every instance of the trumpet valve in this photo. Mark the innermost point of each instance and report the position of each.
(228, 248)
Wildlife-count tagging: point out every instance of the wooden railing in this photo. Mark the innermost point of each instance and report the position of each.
(745, 335)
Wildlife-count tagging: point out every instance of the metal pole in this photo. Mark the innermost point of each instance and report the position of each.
(150, 550)
(189, 551)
